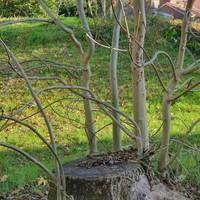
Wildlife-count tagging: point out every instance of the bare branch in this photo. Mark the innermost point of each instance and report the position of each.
(192, 68)
(105, 46)
(35, 113)
(103, 105)
(185, 137)
(29, 157)
(167, 56)
(50, 131)
(35, 132)
(108, 124)
(186, 91)
(63, 27)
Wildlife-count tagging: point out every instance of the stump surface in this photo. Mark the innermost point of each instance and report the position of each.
(122, 181)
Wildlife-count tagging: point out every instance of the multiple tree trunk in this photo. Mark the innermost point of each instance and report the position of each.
(136, 51)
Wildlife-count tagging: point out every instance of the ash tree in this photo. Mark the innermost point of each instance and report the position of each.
(136, 128)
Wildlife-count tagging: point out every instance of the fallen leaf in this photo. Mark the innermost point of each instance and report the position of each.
(3, 178)
(42, 181)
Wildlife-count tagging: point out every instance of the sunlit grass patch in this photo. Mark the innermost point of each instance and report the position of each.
(40, 40)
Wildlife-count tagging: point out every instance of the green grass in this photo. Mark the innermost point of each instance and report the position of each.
(39, 40)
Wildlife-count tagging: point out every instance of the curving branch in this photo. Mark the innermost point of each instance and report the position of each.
(192, 68)
(150, 62)
(190, 129)
(106, 108)
(2, 117)
(194, 34)
(84, 58)
(186, 91)
(67, 30)
(106, 46)
(48, 125)
(29, 157)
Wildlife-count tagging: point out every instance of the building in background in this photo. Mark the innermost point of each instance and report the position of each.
(175, 8)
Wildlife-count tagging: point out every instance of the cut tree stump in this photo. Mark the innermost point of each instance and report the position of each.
(122, 181)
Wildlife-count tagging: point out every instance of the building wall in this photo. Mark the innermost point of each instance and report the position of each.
(180, 4)
(197, 5)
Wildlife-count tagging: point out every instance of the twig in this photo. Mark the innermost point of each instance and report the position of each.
(182, 143)
(29, 157)
(50, 131)
(192, 68)
(167, 56)
(186, 91)
(105, 46)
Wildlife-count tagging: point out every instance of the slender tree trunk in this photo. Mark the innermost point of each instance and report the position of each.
(113, 78)
(164, 149)
(100, 8)
(89, 120)
(104, 8)
(166, 116)
(139, 90)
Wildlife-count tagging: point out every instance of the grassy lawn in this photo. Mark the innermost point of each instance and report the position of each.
(45, 41)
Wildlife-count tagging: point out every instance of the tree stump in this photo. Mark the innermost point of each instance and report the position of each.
(123, 181)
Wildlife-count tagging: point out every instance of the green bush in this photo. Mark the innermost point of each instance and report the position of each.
(30, 8)
(68, 8)
(24, 8)
(16, 8)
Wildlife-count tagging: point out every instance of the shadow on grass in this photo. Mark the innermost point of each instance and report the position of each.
(18, 171)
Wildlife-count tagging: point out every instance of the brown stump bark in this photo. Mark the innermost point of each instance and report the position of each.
(124, 181)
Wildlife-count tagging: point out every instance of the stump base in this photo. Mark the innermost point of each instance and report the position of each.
(124, 181)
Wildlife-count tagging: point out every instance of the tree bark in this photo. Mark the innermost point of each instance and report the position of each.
(139, 90)
(166, 115)
(125, 181)
(89, 119)
(113, 78)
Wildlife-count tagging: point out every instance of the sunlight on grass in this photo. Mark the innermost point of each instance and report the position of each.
(39, 40)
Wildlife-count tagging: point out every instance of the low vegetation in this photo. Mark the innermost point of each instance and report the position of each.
(34, 41)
